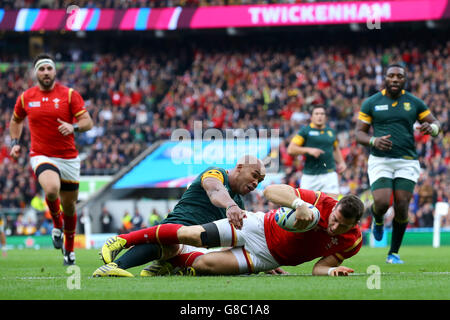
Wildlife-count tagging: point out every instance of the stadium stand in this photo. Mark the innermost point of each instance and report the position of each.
(138, 95)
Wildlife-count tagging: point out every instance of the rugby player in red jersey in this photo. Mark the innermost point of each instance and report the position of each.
(261, 244)
(55, 113)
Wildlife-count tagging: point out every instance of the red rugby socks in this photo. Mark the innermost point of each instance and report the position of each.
(160, 234)
(70, 225)
(55, 211)
(185, 259)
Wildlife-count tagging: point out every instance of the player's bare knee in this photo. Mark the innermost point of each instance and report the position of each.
(190, 235)
(381, 206)
(401, 210)
(51, 191)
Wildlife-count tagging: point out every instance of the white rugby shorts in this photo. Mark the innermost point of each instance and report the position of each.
(250, 246)
(326, 182)
(68, 168)
(381, 167)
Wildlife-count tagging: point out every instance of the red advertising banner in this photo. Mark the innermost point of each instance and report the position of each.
(243, 16)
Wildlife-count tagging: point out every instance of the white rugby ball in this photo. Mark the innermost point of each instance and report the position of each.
(285, 218)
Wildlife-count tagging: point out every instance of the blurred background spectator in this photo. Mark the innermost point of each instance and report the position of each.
(137, 220)
(106, 221)
(154, 218)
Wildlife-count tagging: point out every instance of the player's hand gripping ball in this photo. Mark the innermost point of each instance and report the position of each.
(285, 218)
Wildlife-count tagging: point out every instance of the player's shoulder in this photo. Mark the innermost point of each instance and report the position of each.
(352, 239)
(61, 88)
(354, 235)
(215, 169)
(409, 96)
(31, 92)
(303, 129)
(214, 172)
(373, 98)
(329, 129)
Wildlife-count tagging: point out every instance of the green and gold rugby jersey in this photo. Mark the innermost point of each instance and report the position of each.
(394, 117)
(325, 139)
(195, 207)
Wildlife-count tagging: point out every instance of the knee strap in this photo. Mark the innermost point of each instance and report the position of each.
(210, 237)
(46, 166)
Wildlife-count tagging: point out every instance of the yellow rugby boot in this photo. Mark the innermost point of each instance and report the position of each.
(111, 248)
(111, 270)
(157, 268)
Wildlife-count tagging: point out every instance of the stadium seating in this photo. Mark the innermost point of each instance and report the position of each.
(138, 98)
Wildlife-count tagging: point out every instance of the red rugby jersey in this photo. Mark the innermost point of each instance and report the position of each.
(43, 108)
(290, 249)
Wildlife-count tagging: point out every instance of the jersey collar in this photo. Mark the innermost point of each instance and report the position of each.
(383, 92)
(316, 127)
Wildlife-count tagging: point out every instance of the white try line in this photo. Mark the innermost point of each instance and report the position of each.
(33, 278)
(356, 274)
(436, 273)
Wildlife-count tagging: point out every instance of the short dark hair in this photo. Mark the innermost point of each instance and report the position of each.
(396, 65)
(317, 106)
(42, 56)
(351, 207)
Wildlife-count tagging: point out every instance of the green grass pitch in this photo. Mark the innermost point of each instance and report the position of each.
(30, 274)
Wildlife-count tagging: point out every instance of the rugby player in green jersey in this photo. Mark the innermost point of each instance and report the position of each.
(319, 144)
(215, 194)
(393, 167)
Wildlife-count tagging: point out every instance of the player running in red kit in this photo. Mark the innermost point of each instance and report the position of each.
(55, 113)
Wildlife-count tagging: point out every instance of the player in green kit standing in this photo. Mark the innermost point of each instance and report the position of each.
(324, 160)
(214, 194)
(393, 167)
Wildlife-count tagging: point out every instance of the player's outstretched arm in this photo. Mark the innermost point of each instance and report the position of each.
(284, 195)
(220, 197)
(330, 266)
(280, 194)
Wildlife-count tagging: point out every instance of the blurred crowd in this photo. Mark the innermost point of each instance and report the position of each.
(140, 97)
(125, 4)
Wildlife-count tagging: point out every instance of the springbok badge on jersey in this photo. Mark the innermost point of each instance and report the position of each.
(407, 106)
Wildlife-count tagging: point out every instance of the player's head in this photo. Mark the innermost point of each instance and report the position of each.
(345, 215)
(45, 70)
(318, 116)
(395, 79)
(247, 174)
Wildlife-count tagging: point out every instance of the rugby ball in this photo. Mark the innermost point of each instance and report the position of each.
(285, 218)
